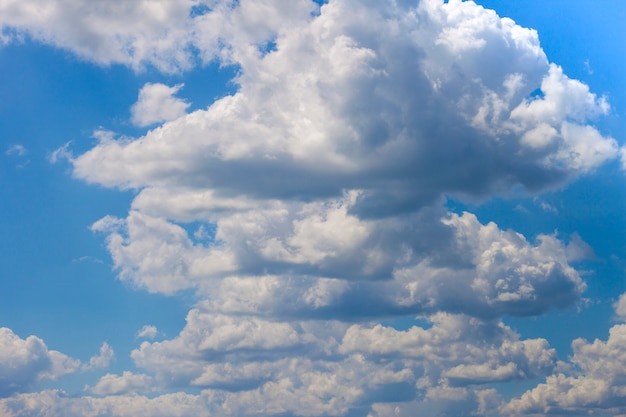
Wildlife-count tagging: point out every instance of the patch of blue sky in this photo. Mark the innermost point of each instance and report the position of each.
(56, 275)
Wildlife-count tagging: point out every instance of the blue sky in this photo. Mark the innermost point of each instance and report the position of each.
(343, 208)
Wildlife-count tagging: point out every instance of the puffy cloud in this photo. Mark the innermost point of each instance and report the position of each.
(247, 367)
(101, 360)
(323, 176)
(56, 403)
(355, 98)
(318, 260)
(312, 200)
(24, 362)
(156, 104)
(106, 32)
(593, 381)
(177, 262)
(207, 338)
(126, 383)
(491, 352)
(170, 35)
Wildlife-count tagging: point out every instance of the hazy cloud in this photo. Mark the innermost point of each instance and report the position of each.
(148, 332)
(18, 150)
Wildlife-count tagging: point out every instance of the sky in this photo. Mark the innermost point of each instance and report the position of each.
(360, 208)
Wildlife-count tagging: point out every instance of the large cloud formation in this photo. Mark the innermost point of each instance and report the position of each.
(308, 207)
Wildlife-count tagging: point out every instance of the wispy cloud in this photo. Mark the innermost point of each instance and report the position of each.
(17, 150)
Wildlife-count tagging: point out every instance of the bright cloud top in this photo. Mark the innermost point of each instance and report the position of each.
(156, 104)
(308, 207)
(25, 362)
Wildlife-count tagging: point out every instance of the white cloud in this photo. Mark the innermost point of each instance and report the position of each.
(148, 332)
(126, 383)
(620, 307)
(25, 362)
(61, 153)
(492, 352)
(169, 35)
(441, 262)
(334, 109)
(18, 150)
(102, 360)
(323, 178)
(593, 381)
(156, 104)
(354, 368)
(56, 403)
(158, 255)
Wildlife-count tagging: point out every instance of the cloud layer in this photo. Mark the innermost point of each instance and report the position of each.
(308, 207)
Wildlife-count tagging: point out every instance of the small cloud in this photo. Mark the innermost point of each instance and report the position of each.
(126, 383)
(549, 208)
(622, 154)
(101, 360)
(88, 259)
(521, 209)
(579, 250)
(588, 67)
(156, 104)
(16, 150)
(620, 307)
(147, 332)
(61, 153)
(107, 224)
(202, 233)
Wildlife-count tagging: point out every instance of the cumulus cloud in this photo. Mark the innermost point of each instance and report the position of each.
(340, 104)
(24, 362)
(126, 383)
(316, 193)
(169, 35)
(156, 104)
(57, 403)
(317, 260)
(593, 380)
(102, 360)
(246, 367)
